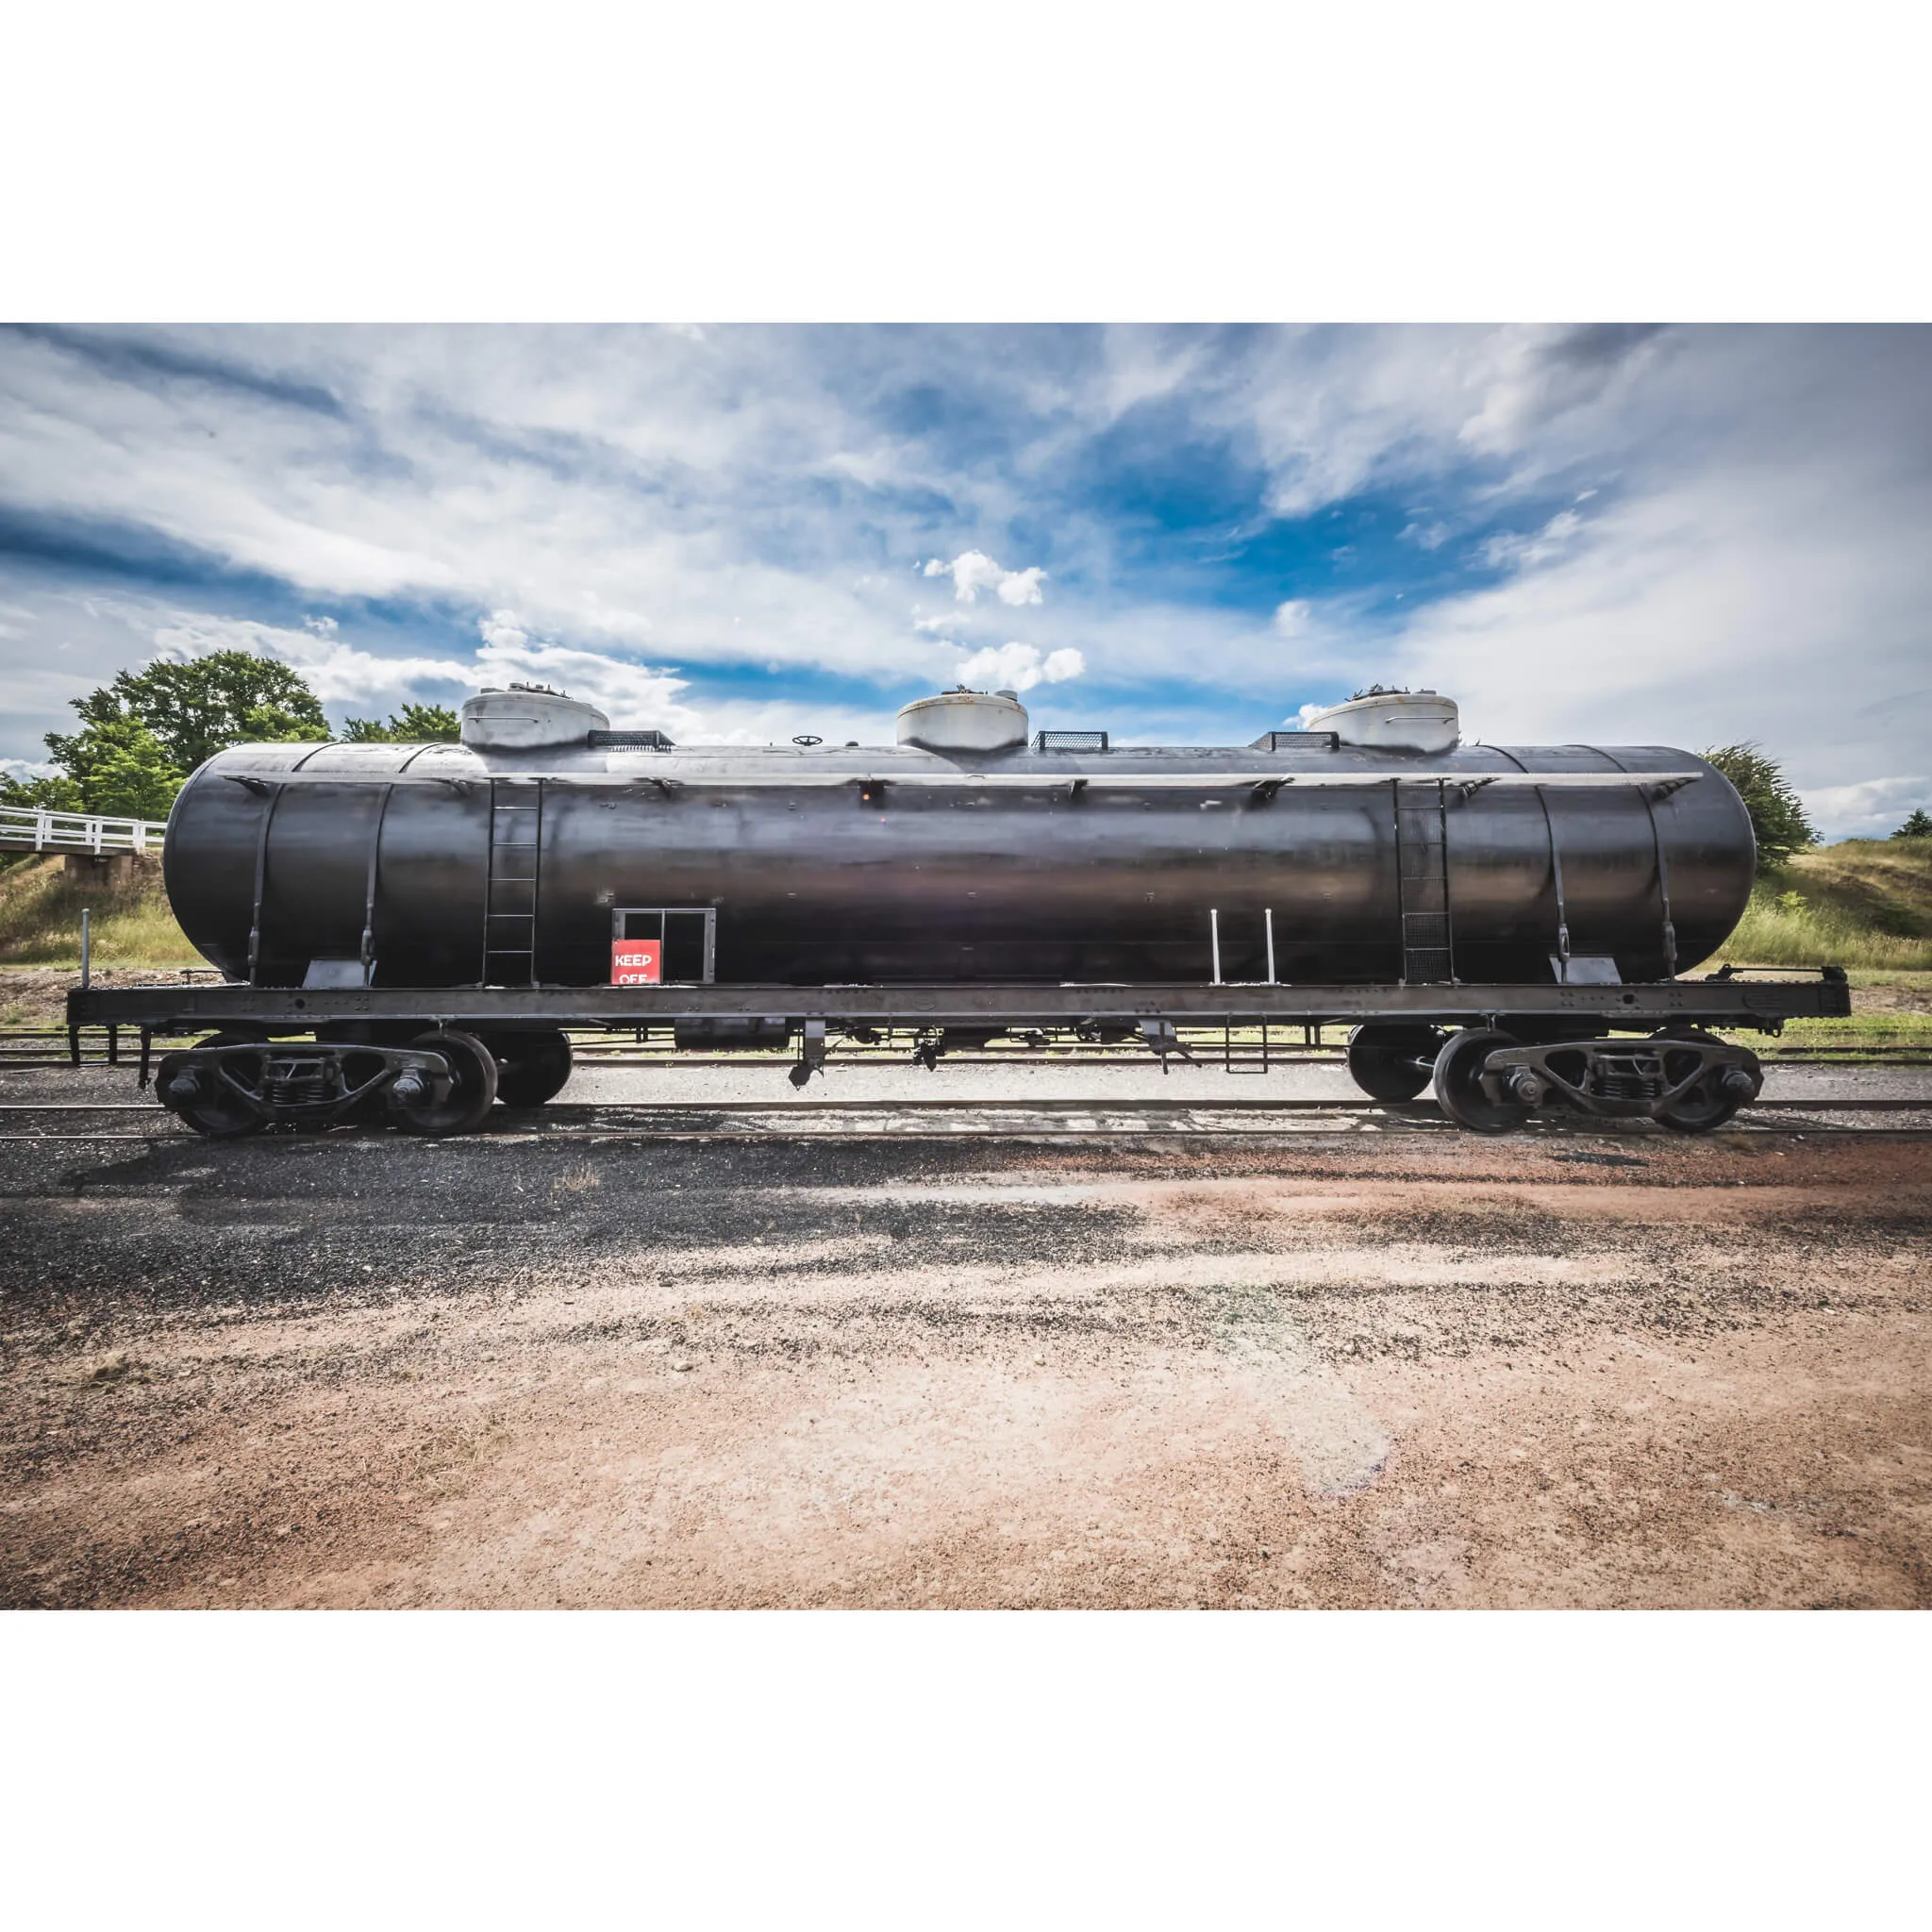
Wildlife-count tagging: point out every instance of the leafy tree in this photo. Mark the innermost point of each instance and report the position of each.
(143, 733)
(127, 773)
(1777, 813)
(119, 767)
(197, 708)
(42, 794)
(1918, 826)
(412, 724)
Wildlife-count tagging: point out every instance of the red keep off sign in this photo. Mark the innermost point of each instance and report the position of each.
(637, 962)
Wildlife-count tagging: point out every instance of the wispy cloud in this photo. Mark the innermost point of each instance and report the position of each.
(1511, 550)
(1872, 809)
(338, 672)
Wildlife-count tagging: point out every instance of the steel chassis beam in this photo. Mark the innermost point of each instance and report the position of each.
(1734, 1002)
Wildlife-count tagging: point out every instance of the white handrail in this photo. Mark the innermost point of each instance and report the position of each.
(35, 828)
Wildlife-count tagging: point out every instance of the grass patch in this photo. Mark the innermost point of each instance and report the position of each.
(39, 918)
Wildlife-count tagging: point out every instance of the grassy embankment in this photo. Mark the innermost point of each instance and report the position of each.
(1865, 905)
(39, 918)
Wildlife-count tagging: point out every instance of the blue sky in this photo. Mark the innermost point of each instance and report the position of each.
(1619, 533)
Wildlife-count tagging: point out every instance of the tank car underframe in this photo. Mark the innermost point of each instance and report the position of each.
(1540, 1043)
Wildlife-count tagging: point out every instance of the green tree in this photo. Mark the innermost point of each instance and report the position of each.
(120, 767)
(57, 794)
(1777, 813)
(412, 724)
(142, 734)
(127, 774)
(199, 708)
(1918, 826)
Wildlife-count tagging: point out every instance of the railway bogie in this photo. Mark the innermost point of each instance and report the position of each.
(1490, 1077)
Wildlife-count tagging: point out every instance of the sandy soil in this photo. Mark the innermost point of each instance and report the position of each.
(1394, 1369)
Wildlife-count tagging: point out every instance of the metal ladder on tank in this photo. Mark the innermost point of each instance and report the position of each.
(1421, 874)
(510, 912)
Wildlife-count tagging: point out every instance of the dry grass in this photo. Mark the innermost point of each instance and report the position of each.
(1866, 903)
(39, 918)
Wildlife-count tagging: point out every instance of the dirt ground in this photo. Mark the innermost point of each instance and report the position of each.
(35, 996)
(1367, 1370)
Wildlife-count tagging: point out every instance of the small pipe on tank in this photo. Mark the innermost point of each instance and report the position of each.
(1268, 924)
(1214, 941)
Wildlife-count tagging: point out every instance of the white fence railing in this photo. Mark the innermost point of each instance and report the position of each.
(27, 828)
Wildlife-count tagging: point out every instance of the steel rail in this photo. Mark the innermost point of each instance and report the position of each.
(1415, 1110)
(1254, 1136)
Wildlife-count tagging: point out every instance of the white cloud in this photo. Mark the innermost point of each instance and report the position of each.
(1291, 619)
(1721, 603)
(634, 696)
(1020, 667)
(501, 631)
(1510, 550)
(974, 571)
(621, 488)
(1874, 808)
(1333, 411)
(1428, 536)
(338, 672)
(1530, 376)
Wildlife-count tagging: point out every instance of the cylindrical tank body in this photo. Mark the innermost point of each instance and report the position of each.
(452, 865)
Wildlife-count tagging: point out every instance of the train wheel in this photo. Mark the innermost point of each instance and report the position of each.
(531, 1068)
(1460, 1088)
(214, 1112)
(1391, 1062)
(473, 1088)
(1707, 1106)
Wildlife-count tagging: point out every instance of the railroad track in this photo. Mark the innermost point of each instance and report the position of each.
(982, 1119)
(99, 1048)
